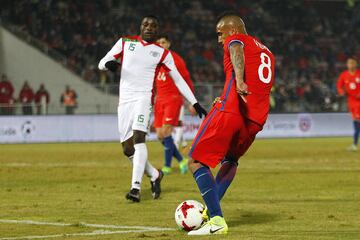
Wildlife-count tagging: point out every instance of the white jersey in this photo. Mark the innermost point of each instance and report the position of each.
(140, 62)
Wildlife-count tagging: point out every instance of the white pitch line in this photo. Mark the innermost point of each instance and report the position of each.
(134, 229)
(94, 233)
(90, 225)
(28, 222)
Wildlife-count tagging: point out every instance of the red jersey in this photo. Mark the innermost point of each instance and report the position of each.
(26, 95)
(350, 85)
(259, 76)
(40, 94)
(6, 91)
(165, 86)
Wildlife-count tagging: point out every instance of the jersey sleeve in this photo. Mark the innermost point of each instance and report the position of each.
(190, 82)
(233, 39)
(179, 81)
(112, 55)
(340, 84)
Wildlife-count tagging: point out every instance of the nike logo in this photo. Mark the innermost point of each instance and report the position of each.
(203, 194)
(214, 231)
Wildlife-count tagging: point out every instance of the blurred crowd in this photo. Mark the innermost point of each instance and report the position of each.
(31, 102)
(310, 39)
(26, 99)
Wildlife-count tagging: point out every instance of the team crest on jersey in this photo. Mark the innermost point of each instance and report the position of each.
(154, 54)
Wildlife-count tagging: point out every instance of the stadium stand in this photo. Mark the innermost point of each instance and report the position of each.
(310, 39)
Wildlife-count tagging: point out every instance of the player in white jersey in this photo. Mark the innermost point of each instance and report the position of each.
(141, 58)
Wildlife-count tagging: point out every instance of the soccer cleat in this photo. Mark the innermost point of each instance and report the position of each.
(183, 165)
(205, 215)
(216, 225)
(133, 195)
(166, 170)
(155, 185)
(352, 148)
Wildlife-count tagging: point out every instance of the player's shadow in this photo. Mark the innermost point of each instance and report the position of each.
(251, 218)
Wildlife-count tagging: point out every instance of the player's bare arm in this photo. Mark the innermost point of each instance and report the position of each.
(237, 60)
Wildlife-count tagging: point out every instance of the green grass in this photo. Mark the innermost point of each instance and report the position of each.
(284, 189)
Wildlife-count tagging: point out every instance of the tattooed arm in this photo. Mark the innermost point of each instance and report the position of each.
(238, 62)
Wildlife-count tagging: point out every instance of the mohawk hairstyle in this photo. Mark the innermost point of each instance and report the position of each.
(227, 14)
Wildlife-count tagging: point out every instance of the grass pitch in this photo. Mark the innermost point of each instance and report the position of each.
(284, 189)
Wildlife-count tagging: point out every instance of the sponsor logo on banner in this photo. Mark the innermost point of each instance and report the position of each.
(18, 129)
(7, 131)
(281, 125)
(305, 122)
(27, 129)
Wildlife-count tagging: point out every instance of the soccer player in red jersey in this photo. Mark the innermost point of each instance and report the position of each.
(236, 117)
(349, 84)
(167, 108)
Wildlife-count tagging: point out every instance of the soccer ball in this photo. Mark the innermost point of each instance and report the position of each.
(188, 215)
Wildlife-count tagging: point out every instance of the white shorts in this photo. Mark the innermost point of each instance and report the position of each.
(134, 115)
(182, 113)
